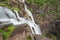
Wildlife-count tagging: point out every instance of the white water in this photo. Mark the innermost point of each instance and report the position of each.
(33, 26)
(7, 16)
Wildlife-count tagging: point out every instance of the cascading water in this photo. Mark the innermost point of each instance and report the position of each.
(7, 16)
(33, 26)
(35, 29)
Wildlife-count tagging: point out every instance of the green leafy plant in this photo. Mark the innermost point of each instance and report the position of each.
(7, 33)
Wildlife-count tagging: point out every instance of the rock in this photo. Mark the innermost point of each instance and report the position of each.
(39, 37)
(1, 36)
(19, 33)
(45, 38)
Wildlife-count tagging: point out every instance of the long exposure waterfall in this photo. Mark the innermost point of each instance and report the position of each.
(7, 16)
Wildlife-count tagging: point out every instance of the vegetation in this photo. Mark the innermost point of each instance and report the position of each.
(29, 38)
(7, 33)
(49, 8)
(5, 3)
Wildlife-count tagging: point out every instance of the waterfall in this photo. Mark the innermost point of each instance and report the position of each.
(7, 16)
(33, 26)
(29, 13)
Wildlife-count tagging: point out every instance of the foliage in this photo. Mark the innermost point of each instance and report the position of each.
(5, 3)
(29, 38)
(31, 9)
(43, 2)
(49, 8)
(43, 14)
(53, 37)
(7, 33)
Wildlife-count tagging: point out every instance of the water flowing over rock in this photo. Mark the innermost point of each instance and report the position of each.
(7, 17)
